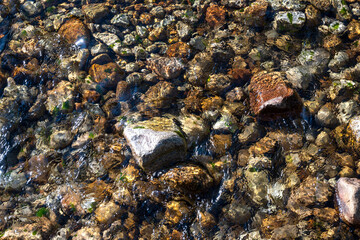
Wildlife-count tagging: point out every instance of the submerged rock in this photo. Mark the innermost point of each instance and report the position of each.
(272, 98)
(167, 68)
(74, 30)
(190, 179)
(156, 143)
(107, 75)
(347, 192)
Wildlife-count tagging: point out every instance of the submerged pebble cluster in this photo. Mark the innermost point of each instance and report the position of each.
(179, 119)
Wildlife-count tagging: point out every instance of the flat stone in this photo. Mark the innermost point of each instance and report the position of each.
(347, 197)
(272, 98)
(155, 143)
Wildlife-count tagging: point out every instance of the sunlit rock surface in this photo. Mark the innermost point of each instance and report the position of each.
(156, 143)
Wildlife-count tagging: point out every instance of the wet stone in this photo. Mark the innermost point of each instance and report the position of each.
(155, 143)
(60, 98)
(60, 139)
(311, 191)
(107, 75)
(199, 69)
(157, 98)
(38, 169)
(168, 68)
(121, 20)
(32, 8)
(95, 12)
(215, 16)
(272, 98)
(74, 31)
(347, 190)
(107, 212)
(189, 179)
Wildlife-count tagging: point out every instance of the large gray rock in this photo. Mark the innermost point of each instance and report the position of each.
(156, 143)
(347, 197)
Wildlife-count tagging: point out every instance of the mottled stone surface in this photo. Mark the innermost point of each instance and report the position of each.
(107, 75)
(74, 30)
(272, 98)
(215, 16)
(347, 198)
(167, 68)
(191, 179)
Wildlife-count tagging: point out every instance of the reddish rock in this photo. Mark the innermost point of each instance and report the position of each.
(215, 16)
(272, 98)
(38, 169)
(73, 30)
(107, 75)
(347, 197)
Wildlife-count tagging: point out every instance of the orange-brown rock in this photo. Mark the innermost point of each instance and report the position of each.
(73, 30)
(107, 75)
(179, 49)
(91, 96)
(273, 98)
(215, 16)
(354, 29)
(146, 18)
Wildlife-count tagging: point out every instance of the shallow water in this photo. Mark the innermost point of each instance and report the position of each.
(177, 119)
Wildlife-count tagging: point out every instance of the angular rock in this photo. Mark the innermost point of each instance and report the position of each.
(347, 198)
(218, 83)
(74, 31)
(156, 143)
(167, 68)
(95, 12)
(255, 14)
(317, 60)
(272, 98)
